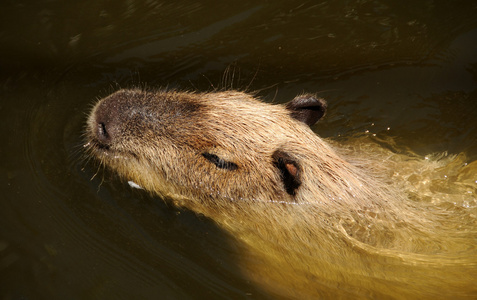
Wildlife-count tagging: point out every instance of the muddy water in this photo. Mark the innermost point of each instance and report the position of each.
(401, 73)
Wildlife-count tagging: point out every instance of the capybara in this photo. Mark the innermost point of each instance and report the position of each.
(323, 220)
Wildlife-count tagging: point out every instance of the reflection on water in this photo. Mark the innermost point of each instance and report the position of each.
(402, 73)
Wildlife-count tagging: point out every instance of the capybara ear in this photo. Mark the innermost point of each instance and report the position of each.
(307, 108)
(289, 169)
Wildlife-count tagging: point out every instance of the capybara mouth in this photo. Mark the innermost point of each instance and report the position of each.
(103, 151)
(97, 149)
(97, 145)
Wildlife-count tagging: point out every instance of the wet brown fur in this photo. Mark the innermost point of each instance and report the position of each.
(341, 225)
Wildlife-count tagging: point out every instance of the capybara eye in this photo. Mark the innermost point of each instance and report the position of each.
(219, 162)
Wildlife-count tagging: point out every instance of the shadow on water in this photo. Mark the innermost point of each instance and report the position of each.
(397, 69)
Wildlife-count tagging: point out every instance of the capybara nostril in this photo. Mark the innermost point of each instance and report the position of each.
(102, 133)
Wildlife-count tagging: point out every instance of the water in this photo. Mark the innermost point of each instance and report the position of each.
(403, 71)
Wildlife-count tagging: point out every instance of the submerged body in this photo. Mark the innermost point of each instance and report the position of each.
(321, 221)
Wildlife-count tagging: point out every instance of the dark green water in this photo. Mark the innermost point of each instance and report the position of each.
(400, 69)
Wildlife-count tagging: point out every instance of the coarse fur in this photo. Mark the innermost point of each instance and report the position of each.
(323, 220)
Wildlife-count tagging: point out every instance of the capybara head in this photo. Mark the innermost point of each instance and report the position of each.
(223, 145)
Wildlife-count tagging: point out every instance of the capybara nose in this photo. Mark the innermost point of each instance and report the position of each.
(106, 126)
